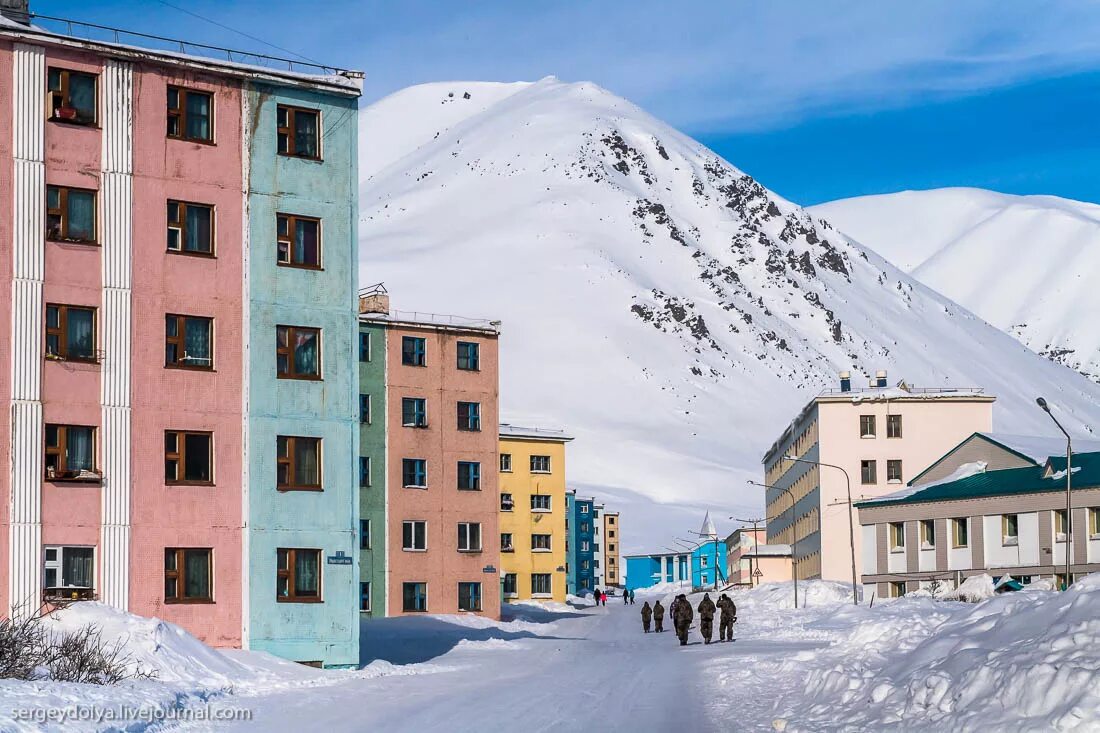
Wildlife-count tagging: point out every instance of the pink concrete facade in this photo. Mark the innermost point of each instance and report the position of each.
(442, 505)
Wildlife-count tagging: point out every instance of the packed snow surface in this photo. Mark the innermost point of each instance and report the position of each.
(1026, 264)
(657, 302)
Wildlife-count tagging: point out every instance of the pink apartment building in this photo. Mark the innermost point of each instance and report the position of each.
(881, 437)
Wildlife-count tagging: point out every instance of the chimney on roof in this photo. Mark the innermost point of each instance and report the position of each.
(375, 299)
(880, 378)
(17, 10)
(845, 381)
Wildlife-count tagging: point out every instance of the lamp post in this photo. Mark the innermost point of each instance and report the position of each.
(794, 538)
(1069, 483)
(755, 523)
(851, 522)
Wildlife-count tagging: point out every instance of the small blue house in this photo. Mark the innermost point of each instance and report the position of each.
(695, 569)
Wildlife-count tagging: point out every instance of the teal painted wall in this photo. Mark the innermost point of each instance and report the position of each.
(326, 520)
(372, 444)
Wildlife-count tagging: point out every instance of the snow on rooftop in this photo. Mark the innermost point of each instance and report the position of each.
(432, 319)
(508, 430)
(1038, 448)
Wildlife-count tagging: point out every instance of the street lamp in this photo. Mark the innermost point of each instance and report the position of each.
(1069, 482)
(851, 523)
(794, 538)
(755, 523)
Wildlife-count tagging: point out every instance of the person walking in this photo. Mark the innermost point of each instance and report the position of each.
(632, 596)
(706, 618)
(658, 617)
(603, 598)
(596, 595)
(727, 619)
(626, 596)
(681, 617)
(647, 616)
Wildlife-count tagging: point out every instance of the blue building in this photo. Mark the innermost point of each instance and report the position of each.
(693, 570)
(581, 562)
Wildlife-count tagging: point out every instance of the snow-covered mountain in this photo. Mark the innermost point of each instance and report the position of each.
(1023, 263)
(657, 302)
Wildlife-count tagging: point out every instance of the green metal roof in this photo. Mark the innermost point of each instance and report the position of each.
(1009, 481)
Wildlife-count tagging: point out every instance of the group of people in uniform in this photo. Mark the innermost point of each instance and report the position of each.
(682, 616)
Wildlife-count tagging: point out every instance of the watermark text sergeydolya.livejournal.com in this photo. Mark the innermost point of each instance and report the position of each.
(129, 713)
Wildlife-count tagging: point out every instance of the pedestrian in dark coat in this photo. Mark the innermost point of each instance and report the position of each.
(706, 618)
(626, 596)
(658, 617)
(647, 616)
(727, 619)
(681, 617)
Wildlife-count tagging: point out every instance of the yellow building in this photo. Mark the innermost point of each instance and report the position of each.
(532, 513)
(612, 572)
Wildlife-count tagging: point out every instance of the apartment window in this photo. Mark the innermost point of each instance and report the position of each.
(190, 228)
(70, 215)
(469, 537)
(893, 426)
(364, 408)
(72, 96)
(867, 426)
(298, 352)
(868, 472)
(506, 462)
(1060, 525)
(540, 502)
(469, 475)
(506, 542)
(414, 473)
(510, 584)
(897, 536)
(611, 560)
(299, 463)
(190, 115)
(469, 356)
(584, 527)
(413, 350)
(586, 546)
(469, 596)
(506, 503)
(188, 457)
(70, 333)
(584, 509)
(188, 342)
(540, 464)
(540, 542)
(188, 575)
(364, 472)
(65, 566)
(960, 536)
(610, 533)
(927, 533)
(364, 534)
(540, 584)
(469, 416)
(364, 346)
(299, 241)
(585, 564)
(299, 132)
(611, 520)
(298, 575)
(70, 452)
(703, 561)
(893, 471)
(414, 412)
(364, 596)
(414, 536)
(1094, 522)
(897, 589)
(611, 548)
(1010, 529)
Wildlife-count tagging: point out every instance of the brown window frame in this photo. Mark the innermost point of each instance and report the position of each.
(60, 449)
(179, 574)
(290, 130)
(872, 464)
(288, 352)
(62, 333)
(180, 223)
(180, 114)
(179, 341)
(62, 212)
(66, 101)
(180, 457)
(894, 426)
(288, 239)
(868, 426)
(288, 461)
(288, 573)
(891, 464)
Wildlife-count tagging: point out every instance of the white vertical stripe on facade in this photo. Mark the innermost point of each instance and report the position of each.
(27, 313)
(246, 366)
(116, 213)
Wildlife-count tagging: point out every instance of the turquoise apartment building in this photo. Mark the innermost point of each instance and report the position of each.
(302, 428)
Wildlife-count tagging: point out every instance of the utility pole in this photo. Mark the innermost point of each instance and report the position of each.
(1069, 483)
(754, 523)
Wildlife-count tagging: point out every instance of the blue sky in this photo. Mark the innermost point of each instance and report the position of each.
(816, 100)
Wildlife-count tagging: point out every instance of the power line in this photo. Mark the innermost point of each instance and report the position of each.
(234, 30)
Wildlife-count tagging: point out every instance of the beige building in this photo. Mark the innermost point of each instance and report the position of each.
(881, 437)
(750, 561)
(1004, 520)
(612, 560)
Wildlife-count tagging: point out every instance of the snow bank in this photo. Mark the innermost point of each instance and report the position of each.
(811, 594)
(974, 589)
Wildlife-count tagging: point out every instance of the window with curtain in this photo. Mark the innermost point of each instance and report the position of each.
(70, 215)
(414, 597)
(188, 457)
(69, 451)
(70, 333)
(541, 584)
(68, 566)
(188, 342)
(190, 114)
(469, 596)
(190, 228)
(299, 241)
(298, 352)
(188, 575)
(298, 575)
(298, 463)
(72, 96)
(298, 132)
